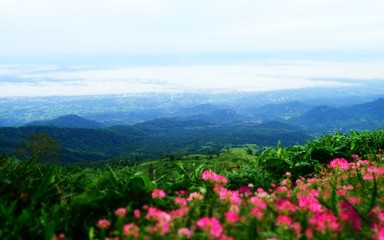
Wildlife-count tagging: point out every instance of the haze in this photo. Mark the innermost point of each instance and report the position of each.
(68, 47)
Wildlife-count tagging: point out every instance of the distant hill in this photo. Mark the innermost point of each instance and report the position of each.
(280, 111)
(365, 116)
(68, 121)
(195, 110)
(153, 139)
(220, 116)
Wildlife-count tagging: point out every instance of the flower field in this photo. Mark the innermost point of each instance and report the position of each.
(344, 202)
(329, 188)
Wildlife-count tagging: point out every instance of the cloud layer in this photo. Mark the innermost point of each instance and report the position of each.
(44, 27)
(52, 80)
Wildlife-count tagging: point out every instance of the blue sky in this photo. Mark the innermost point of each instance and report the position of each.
(242, 35)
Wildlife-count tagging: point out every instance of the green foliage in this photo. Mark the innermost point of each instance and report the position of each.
(42, 147)
(39, 200)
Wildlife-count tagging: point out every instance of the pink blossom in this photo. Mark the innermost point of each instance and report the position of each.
(324, 221)
(209, 175)
(258, 202)
(131, 229)
(180, 212)
(195, 196)
(136, 213)
(257, 212)
(362, 163)
(60, 237)
(121, 212)
(368, 176)
(231, 196)
(283, 220)
(180, 201)
(103, 223)
(341, 192)
(349, 214)
(309, 234)
(284, 205)
(259, 206)
(160, 227)
(297, 228)
(380, 233)
(158, 215)
(158, 193)
(181, 192)
(210, 225)
(232, 217)
(380, 216)
(309, 203)
(354, 200)
(245, 190)
(339, 163)
(184, 232)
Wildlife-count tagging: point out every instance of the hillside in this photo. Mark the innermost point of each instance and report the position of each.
(95, 200)
(67, 121)
(359, 117)
(280, 111)
(153, 139)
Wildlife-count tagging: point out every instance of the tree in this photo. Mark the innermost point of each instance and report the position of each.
(42, 147)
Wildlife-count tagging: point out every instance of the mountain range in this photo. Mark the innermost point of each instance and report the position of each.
(201, 129)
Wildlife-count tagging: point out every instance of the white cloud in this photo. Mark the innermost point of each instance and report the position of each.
(35, 81)
(137, 26)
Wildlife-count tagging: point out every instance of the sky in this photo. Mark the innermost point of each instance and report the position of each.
(71, 47)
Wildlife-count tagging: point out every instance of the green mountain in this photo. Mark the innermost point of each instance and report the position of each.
(69, 121)
(359, 117)
(280, 111)
(153, 139)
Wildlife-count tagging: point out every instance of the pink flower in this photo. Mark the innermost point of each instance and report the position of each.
(121, 212)
(184, 232)
(211, 176)
(60, 237)
(284, 205)
(339, 163)
(136, 213)
(232, 217)
(309, 234)
(245, 190)
(283, 220)
(349, 214)
(355, 156)
(259, 206)
(309, 203)
(354, 200)
(179, 213)
(195, 196)
(158, 215)
(257, 212)
(341, 192)
(258, 202)
(158, 193)
(362, 163)
(131, 229)
(380, 233)
(228, 195)
(160, 228)
(324, 221)
(180, 201)
(211, 226)
(181, 192)
(103, 223)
